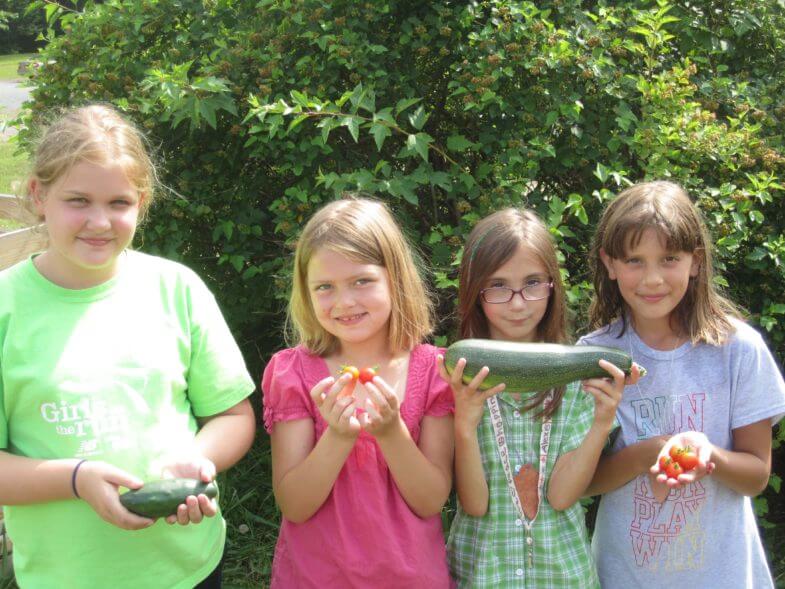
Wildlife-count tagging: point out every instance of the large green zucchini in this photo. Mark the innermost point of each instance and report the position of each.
(161, 498)
(529, 367)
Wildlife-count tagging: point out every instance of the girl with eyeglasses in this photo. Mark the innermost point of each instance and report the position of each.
(510, 289)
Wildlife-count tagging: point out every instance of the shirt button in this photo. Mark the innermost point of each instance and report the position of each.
(518, 522)
(517, 467)
(519, 572)
(529, 540)
(516, 413)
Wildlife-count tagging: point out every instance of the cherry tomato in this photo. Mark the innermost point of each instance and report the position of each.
(353, 370)
(686, 456)
(664, 462)
(673, 469)
(366, 374)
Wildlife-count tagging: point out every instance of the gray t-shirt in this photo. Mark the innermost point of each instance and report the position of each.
(704, 535)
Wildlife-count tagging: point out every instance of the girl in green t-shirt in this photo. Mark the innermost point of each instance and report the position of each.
(116, 368)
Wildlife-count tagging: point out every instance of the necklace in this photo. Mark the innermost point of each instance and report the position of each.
(526, 503)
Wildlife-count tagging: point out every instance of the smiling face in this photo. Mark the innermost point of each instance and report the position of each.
(351, 300)
(652, 279)
(517, 319)
(91, 214)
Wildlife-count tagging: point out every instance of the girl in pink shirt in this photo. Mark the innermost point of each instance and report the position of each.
(361, 468)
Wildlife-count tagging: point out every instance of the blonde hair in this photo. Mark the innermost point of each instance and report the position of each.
(703, 314)
(96, 134)
(364, 231)
(492, 242)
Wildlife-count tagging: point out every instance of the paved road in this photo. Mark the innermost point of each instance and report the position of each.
(12, 95)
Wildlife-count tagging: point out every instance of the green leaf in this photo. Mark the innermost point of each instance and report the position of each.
(405, 103)
(353, 126)
(458, 143)
(418, 118)
(420, 143)
(380, 133)
(601, 173)
(296, 122)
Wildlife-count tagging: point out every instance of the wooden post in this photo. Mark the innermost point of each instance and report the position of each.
(18, 244)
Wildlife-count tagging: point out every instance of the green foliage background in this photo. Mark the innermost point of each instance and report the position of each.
(260, 111)
(19, 29)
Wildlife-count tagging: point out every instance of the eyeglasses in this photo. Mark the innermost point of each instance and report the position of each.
(496, 295)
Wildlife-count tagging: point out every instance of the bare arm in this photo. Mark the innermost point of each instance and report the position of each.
(25, 481)
(422, 474)
(746, 469)
(303, 472)
(574, 470)
(618, 469)
(470, 482)
(225, 438)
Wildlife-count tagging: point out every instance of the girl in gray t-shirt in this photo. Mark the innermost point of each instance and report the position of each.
(708, 372)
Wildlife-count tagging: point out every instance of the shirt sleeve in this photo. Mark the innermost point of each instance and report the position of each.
(758, 387)
(578, 415)
(285, 395)
(440, 398)
(217, 376)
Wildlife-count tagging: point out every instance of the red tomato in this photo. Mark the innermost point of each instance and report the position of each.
(664, 462)
(686, 456)
(673, 469)
(366, 374)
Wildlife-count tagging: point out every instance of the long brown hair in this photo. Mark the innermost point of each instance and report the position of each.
(363, 230)
(492, 242)
(703, 314)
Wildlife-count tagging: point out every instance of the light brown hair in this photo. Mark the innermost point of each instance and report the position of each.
(364, 231)
(492, 242)
(703, 314)
(96, 134)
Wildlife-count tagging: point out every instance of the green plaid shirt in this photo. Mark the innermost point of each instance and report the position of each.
(490, 551)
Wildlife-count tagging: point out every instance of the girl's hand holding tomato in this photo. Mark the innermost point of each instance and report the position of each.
(469, 401)
(336, 405)
(684, 459)
(383, 414)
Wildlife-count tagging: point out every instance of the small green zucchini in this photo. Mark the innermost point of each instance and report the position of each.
(161, 498)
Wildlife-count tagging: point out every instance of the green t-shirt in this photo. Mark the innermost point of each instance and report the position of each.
(119, 373)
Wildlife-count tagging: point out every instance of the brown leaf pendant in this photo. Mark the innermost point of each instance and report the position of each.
(526, 485)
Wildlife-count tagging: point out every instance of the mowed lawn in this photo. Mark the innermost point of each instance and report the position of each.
(12, 171)
(9, 63)
(12, 166)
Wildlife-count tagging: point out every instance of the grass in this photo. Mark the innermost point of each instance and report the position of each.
(12, 166)
(9, 63)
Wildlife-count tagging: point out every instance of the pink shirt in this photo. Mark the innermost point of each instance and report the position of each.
(364, 535)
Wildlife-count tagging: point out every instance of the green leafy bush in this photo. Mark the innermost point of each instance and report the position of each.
(262, 111)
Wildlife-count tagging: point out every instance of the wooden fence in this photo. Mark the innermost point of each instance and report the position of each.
(17, 244)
